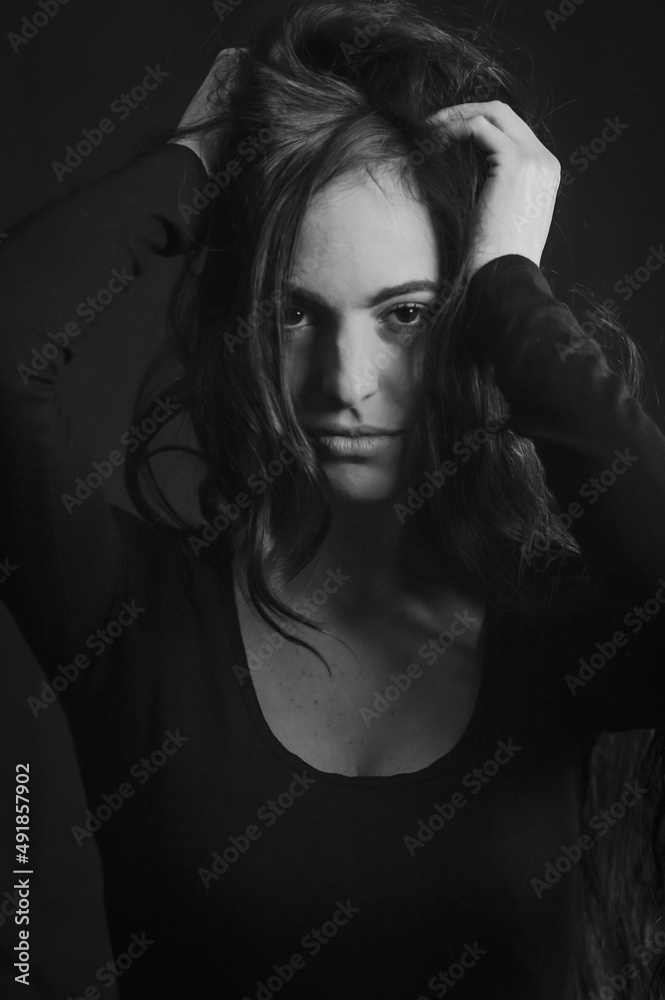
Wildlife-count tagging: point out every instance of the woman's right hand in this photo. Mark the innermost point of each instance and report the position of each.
(204, 104)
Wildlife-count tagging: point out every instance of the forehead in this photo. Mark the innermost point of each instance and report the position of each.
(359, 234)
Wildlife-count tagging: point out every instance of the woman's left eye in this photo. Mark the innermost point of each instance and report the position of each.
(412, 314)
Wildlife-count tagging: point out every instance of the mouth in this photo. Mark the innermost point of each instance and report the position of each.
(354, 444)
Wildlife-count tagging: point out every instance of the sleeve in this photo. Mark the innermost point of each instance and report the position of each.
(64, 569)
(604, 460)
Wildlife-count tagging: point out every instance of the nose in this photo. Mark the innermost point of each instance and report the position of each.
(351, 360)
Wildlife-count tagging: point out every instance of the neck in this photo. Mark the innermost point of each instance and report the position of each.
(374, 552)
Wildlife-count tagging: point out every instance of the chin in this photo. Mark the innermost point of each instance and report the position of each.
(360, 484)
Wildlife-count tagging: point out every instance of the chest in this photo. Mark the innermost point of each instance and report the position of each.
(398, 693)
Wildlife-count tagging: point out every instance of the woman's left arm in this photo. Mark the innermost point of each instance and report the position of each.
(604, 458)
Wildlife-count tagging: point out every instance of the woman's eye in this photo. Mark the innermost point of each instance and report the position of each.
(293, 317)
(411, 314)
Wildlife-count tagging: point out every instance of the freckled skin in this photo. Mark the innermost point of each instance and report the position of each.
(346, 367)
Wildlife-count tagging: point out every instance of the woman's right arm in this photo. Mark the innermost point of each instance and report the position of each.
(63, 564)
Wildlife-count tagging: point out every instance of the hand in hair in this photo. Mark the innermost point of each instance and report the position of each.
(516, 203)
(204, 104)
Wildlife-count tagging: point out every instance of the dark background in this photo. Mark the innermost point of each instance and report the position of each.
(602, 60)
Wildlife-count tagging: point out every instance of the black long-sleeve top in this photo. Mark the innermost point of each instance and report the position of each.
(232, 867)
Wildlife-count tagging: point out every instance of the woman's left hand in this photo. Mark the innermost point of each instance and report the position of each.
(517, 200)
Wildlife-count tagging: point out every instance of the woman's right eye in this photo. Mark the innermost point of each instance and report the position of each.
(293, 318)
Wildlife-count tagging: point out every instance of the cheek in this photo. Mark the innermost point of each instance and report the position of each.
(399, 380)
(296, 361)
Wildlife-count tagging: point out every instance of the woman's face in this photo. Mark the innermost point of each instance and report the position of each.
(366, 268)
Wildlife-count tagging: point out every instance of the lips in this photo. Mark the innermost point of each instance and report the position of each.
(362, 431)
(354, 447)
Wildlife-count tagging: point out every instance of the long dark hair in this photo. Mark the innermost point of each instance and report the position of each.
(324, 89)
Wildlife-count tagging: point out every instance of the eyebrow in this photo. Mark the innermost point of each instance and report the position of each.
(381, 296)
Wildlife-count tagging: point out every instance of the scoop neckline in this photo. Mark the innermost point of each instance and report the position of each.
(446, 762)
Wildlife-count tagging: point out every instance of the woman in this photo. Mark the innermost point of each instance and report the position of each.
(335, 737)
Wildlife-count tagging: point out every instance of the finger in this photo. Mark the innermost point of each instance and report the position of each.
(220, 72)
(496, 112)
(224, 63)
(487, 136)
(226, 54)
